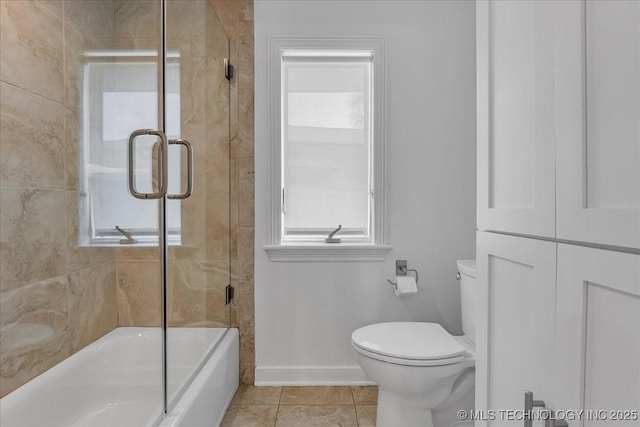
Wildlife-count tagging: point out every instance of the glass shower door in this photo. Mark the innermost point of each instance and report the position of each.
(183, 161)
(122, 90)
(198, 268)
(99, 234)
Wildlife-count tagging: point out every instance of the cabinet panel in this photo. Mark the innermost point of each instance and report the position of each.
(516, 153)
(598, 122)
(516, 322)
(613, 104)
(516, 81)
(597, 332)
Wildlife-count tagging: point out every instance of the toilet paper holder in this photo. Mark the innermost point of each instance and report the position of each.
(402, 270)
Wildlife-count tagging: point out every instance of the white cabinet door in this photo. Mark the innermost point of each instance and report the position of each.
(598, 122)
(598, 334)
(515, 342)
(515, 125)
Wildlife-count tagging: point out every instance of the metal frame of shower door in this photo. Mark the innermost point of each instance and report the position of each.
(162, 202)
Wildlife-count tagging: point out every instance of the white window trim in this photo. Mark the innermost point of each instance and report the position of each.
(320, 251)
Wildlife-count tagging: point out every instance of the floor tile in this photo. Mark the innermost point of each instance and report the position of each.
(250, 416)
(365, 395)
(366, 415)
(316, 416)
(251, 395)
(316, 396)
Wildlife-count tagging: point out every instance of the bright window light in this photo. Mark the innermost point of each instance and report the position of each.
(327, 144)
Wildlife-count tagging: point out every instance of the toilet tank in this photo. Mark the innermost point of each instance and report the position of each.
(468, 296)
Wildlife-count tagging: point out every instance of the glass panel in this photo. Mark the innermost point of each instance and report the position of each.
(77, 78)
(199, 266)
(121, 96)
(326, 146)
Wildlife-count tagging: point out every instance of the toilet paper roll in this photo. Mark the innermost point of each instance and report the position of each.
(406, 285)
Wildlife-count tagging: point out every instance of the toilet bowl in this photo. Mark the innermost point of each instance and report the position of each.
(423, 372)
(418, 367)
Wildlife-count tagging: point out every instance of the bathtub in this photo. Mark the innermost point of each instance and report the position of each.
(116, 381)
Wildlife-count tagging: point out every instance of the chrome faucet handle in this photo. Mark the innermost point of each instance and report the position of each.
(330, 238)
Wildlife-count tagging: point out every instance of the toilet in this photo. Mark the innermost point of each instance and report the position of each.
(424, 374)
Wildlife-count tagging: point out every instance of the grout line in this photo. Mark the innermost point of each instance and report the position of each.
(353, 397)
(39, 95)
(33, 187)
(317, 404)
(353, 404)
(281, 395)
(275, 422)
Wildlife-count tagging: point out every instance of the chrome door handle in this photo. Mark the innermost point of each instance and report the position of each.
(529, 404)
(162, 162)
(189, 190)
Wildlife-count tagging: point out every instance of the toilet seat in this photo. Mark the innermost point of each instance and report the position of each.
(408, 343)
(409, 362)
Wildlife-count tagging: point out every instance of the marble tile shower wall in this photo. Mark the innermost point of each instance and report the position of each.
(237, 18)
(199, 268)
(56, 297)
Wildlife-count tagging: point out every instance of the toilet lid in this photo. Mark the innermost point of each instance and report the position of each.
(408, 340)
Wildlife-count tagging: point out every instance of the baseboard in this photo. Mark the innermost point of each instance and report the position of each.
(311, 376)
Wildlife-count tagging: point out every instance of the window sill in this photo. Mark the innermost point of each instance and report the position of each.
(137, 244)
(327, 252)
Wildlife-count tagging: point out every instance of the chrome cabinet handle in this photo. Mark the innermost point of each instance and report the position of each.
(162, 162)
(529, 404)
(551, 421)
(189, 190)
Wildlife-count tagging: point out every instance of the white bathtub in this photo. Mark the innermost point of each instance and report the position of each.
(116, 381)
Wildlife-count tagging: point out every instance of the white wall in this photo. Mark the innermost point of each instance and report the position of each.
(306, 312)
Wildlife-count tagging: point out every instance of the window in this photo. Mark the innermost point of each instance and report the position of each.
(119, 97)
(327, 142)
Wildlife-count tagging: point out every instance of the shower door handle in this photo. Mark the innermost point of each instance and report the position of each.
(162, 164)
(189, 190)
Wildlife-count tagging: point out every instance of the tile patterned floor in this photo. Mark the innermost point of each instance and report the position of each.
(302, 406)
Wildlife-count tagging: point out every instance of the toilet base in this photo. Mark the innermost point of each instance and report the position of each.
(436, 408)
(418, 396)
(399, 411)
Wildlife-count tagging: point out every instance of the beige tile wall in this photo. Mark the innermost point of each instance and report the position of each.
(237, 18)
(55, 296)
(63, 296)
